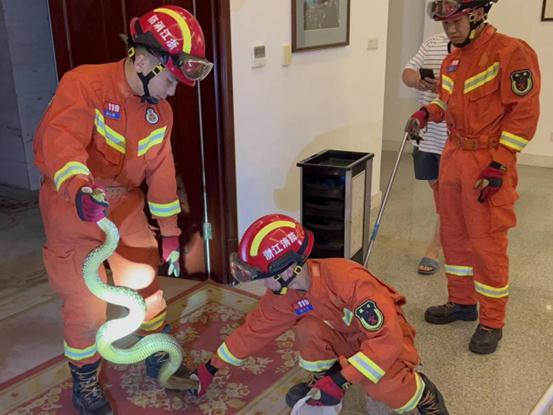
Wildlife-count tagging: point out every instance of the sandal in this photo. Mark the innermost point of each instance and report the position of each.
(427, 262)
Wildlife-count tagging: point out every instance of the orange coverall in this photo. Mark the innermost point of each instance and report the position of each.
(96, 130)
(489, 97)
(355, 319)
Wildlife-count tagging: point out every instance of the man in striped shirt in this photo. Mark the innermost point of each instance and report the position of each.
(426, 154)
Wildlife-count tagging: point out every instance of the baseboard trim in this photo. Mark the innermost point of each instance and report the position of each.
(524, 159)
(535, 160)
(376, 199)
(393, 145)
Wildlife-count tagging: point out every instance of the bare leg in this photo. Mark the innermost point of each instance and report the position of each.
(434, 247)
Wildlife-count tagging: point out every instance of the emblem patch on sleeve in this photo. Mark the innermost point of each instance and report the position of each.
(522, 82)
(369, 315)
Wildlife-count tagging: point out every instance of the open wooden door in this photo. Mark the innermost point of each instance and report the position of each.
(87, 31)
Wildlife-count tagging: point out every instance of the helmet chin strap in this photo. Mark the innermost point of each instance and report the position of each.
(474, 26)
(145, 79)
(284, 284)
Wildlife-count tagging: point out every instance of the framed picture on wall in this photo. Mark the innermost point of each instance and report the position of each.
(320, 24)
(547, 10)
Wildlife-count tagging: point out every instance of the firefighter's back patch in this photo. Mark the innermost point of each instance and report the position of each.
(370, 315)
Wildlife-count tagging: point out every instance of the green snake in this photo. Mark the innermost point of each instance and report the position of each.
(116, 329)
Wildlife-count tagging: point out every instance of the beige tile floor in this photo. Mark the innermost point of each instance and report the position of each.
(508, 382)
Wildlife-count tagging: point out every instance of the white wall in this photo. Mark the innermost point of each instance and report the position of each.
(431, 27)
(329, 98)
(405, 35)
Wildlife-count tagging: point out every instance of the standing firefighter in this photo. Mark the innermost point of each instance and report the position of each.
(107, 130)
(489, 97)
(349, 326)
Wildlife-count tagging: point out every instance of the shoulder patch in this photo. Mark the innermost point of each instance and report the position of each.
(522, 82)
(370, 315)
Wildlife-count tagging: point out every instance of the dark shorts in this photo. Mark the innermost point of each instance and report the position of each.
(427, 165)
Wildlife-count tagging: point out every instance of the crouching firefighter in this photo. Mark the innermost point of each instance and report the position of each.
(349, 326)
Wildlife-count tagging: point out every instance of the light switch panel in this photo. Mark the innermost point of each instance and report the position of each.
(286, 55)
(258, 56)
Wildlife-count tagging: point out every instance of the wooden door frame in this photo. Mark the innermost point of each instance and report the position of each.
(219, 141)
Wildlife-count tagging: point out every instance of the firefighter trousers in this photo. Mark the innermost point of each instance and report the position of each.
(474, 234)
(320, 346)
(134, 264)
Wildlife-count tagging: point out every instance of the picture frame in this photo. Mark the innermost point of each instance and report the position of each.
(318, 24)
(547, 11)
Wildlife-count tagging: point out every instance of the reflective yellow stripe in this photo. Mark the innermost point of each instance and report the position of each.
(164, 210)
(154, 323)
(224, 353)
(440, 104)
(316, 366)
(366, 366)
(348, 316)
(492, 292)
(155, 137)
(414, 401)
(328, 323)
(447, 83)
(482, 78)
(515, 142)
(72, 168)
(458, 270)
(112, 137)
(254, 249)
(79, 354)
(186, 35)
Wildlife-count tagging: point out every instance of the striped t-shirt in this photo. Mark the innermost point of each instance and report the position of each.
(430, 55)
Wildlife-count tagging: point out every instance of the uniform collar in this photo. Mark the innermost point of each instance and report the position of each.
(121, 81)
(315, 272)
(484, 37)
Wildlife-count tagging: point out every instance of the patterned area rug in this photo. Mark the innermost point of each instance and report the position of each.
(204, 316)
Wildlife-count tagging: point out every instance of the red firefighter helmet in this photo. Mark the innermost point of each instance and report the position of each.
(441, 10)
(174, 35)
(269, 246)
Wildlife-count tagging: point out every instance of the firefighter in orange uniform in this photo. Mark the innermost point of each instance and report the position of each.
(107, 130)
(489, 97)
(349, 326)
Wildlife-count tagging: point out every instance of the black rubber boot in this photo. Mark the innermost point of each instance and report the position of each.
(88, 395)
(450, 312)
(297, 392)
(156, 360)
(300, 390)
(432, 402)
(485, 340)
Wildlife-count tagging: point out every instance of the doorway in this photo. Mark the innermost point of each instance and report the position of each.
(87, 32)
